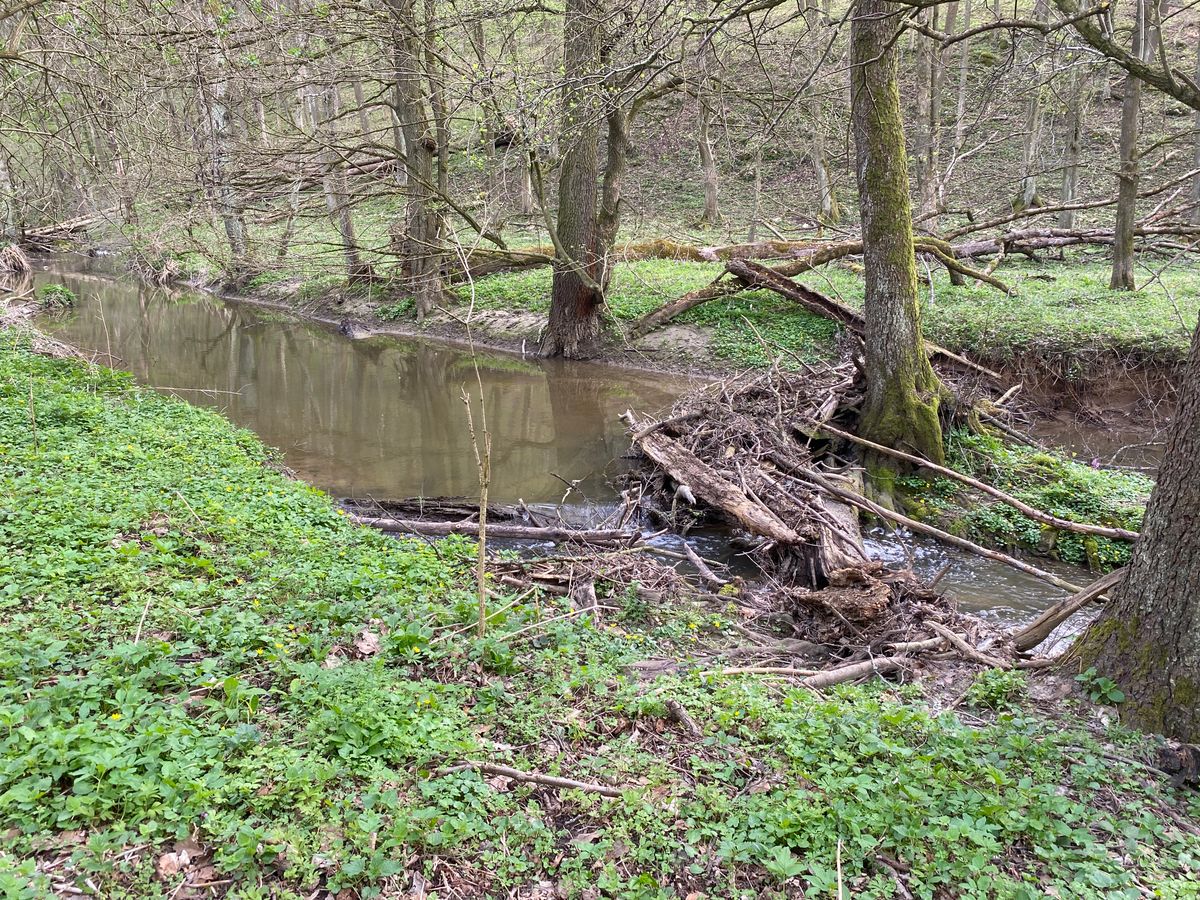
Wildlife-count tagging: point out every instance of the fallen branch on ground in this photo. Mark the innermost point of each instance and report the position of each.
(814, 301)
(519, 532)
(554, 781)
(966, 649)
(1041, 627)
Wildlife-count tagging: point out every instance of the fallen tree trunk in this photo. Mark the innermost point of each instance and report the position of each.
(1029, 240)
(706, 484)
(1041, 627)
(814, 301)
(1116, 534)
(1075, 205)
(519, 532)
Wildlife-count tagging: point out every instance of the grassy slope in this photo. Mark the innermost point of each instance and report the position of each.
(127, 515)
(1067, 321)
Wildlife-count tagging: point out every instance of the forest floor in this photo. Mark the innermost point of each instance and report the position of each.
(215, 684)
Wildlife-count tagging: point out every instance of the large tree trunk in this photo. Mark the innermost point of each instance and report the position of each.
(577, 291)
(322, 113)
(1127, 176)
(708, 163)
(708, 166)
(216, 100)
(1148, 637)
(360, 107)
(928, 113)
(1076, 116)
(831, 212)
(422, 243)
(1195, 217)
(900, 409)
(10, 219)
(964, 70)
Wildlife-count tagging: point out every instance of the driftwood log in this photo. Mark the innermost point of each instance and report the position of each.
(1116, 534)
(557, 534)
(1041, 627)
(706, 484)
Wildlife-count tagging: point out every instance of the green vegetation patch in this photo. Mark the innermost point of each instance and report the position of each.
(752, 329)
(55, 296)
(1047, 481)
(1062, 313)
(192, 644)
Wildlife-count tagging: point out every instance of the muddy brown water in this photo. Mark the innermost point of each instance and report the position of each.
(384, 417)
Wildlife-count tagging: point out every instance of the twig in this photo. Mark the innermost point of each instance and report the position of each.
(763, 670)
(966, 649)
(566, 784)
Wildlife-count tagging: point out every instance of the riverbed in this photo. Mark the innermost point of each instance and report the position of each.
(384, 417)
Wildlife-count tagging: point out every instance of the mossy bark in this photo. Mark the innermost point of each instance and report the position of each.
(902, 396)
(1148, 638)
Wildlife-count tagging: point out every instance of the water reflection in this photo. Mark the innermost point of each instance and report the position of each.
(377, 417)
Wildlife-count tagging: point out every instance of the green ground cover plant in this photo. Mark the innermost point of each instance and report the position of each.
(1047, 481)
(194, 646)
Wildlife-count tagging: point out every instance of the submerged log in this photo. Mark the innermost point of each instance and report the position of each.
(516, 532)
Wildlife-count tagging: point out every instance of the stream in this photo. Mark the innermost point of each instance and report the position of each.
(384, 417)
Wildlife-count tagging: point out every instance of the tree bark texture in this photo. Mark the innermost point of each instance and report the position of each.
(577, 296)
(1080, 95)
(1122, 278)
(900, 409)
(421, 247)
(322, 103)
(1148, 638)
(1031, 154)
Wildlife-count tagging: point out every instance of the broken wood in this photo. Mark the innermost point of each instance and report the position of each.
(878, 666)
(960, 644)
(1117, 534)
(710, 578)
(1041, 627)
(680, 715)
(516, 532)
(706, 484)
(554, 781)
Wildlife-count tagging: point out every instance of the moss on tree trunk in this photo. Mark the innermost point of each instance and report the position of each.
(1148, 638)
(903, 393)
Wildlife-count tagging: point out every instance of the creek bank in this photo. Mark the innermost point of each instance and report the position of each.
(174, 605)
(1049, 479)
